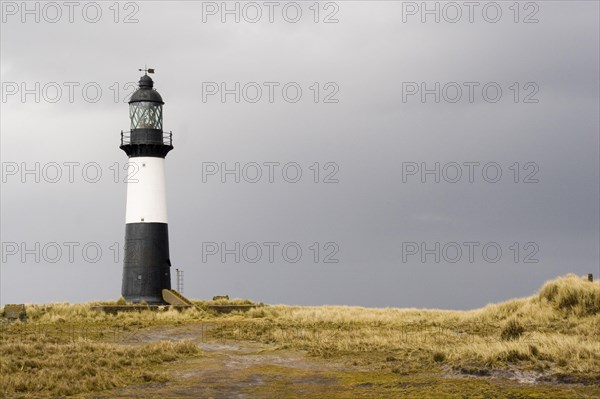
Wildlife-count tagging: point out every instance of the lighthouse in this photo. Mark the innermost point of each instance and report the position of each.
(146, 266)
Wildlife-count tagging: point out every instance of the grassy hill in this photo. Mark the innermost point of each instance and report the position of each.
(548, 343)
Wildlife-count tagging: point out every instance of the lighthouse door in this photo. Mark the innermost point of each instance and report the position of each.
(133, 270)
(137, 280)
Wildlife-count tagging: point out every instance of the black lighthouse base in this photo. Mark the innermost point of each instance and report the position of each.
(147, 267)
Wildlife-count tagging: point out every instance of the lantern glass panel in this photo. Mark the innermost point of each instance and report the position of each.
(145, 115)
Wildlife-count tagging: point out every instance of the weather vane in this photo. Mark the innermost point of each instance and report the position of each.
(147, 70)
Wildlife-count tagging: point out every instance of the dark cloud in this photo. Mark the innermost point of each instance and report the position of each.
(369, 135)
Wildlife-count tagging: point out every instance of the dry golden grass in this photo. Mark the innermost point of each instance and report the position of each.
(554, 334)
(44, 367)
(83, 313)
(66, 349)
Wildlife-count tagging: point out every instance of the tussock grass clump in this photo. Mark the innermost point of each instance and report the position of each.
(512, 330)
(439, 357)
(572, 294)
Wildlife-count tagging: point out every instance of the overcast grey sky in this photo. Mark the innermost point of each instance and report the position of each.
(360, 122)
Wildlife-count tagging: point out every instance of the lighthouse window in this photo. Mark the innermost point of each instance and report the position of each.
(145, 115)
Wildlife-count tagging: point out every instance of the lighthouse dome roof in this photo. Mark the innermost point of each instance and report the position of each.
(146, 92)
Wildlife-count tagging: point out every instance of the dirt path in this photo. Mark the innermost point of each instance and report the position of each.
(232, 369)
(251, 370)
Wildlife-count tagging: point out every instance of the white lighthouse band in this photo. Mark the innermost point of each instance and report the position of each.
(146, 192)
